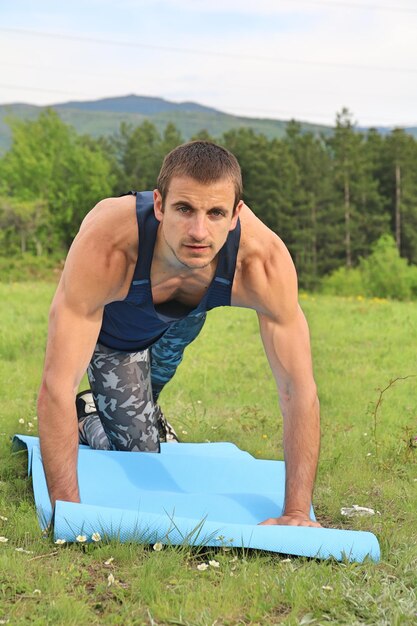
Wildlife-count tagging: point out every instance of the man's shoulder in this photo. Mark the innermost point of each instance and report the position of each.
(104, 248)
(264, 265)
(110, 225)
(258, 242)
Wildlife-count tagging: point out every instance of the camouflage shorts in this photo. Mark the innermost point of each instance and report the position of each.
(126, 387)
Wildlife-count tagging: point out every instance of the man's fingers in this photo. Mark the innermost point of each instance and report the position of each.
(288, 520)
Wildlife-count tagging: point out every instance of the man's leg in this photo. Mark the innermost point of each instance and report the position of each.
(121, 387)
(168, 351)
(108, 366)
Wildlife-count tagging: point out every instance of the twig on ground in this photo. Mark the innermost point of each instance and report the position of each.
(379, 402)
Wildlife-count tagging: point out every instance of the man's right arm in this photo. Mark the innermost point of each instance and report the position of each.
(93, 274)
(71, 339)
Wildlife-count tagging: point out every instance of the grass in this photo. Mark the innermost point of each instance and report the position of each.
(224, 392)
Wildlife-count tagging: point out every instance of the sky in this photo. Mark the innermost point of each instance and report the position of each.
(289, 59)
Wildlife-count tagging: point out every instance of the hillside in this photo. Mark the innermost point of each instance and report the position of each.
(103, 117)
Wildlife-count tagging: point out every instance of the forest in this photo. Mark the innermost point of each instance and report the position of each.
(334, 200)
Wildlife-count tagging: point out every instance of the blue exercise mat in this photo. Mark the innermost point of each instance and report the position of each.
(200, 494)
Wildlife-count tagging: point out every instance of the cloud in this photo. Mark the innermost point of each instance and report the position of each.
(272, 59)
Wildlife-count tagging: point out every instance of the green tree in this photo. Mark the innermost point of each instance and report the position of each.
(24, 225)
(269, 175)
(139, 152)
(357, 201)
(312, 201)
(398, 176)
(50, 165)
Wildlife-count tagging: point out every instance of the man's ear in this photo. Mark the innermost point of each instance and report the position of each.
(236, 215)
(157, 205)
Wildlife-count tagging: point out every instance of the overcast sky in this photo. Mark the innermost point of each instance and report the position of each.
(301, 59)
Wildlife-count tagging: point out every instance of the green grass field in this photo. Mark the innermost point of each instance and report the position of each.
(224, 392)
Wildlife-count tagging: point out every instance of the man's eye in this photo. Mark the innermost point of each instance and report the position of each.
(217, 213)
(183, 209)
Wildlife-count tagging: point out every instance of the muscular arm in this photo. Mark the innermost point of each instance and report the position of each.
(71, 340)
(267, 282)
(288, 351)
(93, 273)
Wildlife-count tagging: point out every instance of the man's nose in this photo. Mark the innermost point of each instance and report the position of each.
(198, 228)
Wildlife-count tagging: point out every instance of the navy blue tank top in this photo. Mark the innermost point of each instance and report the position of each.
(135, 323)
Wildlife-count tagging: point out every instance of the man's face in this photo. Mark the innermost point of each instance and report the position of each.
(195, 220)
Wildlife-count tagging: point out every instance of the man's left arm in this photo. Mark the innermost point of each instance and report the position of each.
(287, 346)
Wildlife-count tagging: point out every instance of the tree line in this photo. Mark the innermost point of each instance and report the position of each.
(329, 198)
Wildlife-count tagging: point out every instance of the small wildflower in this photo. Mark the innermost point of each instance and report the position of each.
(286, 561)
(184, 432)
(214, 563)
(369, 454)
(60, 542)
(264, 436)
(3, 518)
(327, 588)
(21, 420)
(199, 402)
(37, 592)
(3, 540)
(81, 538)
(96, 537)
(23, 550)
(202, 567)
(365, 434)
(30, 425)
(110, 580)
(158, 546)
(109, 561)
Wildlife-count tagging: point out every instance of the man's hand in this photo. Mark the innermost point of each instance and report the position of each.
(294, 519)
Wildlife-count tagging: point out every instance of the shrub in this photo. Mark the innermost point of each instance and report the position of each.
(29, 267)
(344, 282)
(383, 274)
(387, 275)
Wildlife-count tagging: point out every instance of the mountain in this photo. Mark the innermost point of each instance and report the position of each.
(103, 118)
(142, 105)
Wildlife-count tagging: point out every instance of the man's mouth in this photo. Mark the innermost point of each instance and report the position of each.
(196, 246)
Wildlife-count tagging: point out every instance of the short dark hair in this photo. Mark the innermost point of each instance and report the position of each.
(204, 161)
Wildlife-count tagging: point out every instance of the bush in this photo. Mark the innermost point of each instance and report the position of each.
(387, 275)
(384, 274)
(344, 282)
(29, 267)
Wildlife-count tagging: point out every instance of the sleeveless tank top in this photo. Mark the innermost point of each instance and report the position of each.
(135, 323)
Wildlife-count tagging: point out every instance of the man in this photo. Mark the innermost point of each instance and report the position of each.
(139, 278)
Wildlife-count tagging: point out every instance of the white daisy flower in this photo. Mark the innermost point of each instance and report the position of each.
(202, 567)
